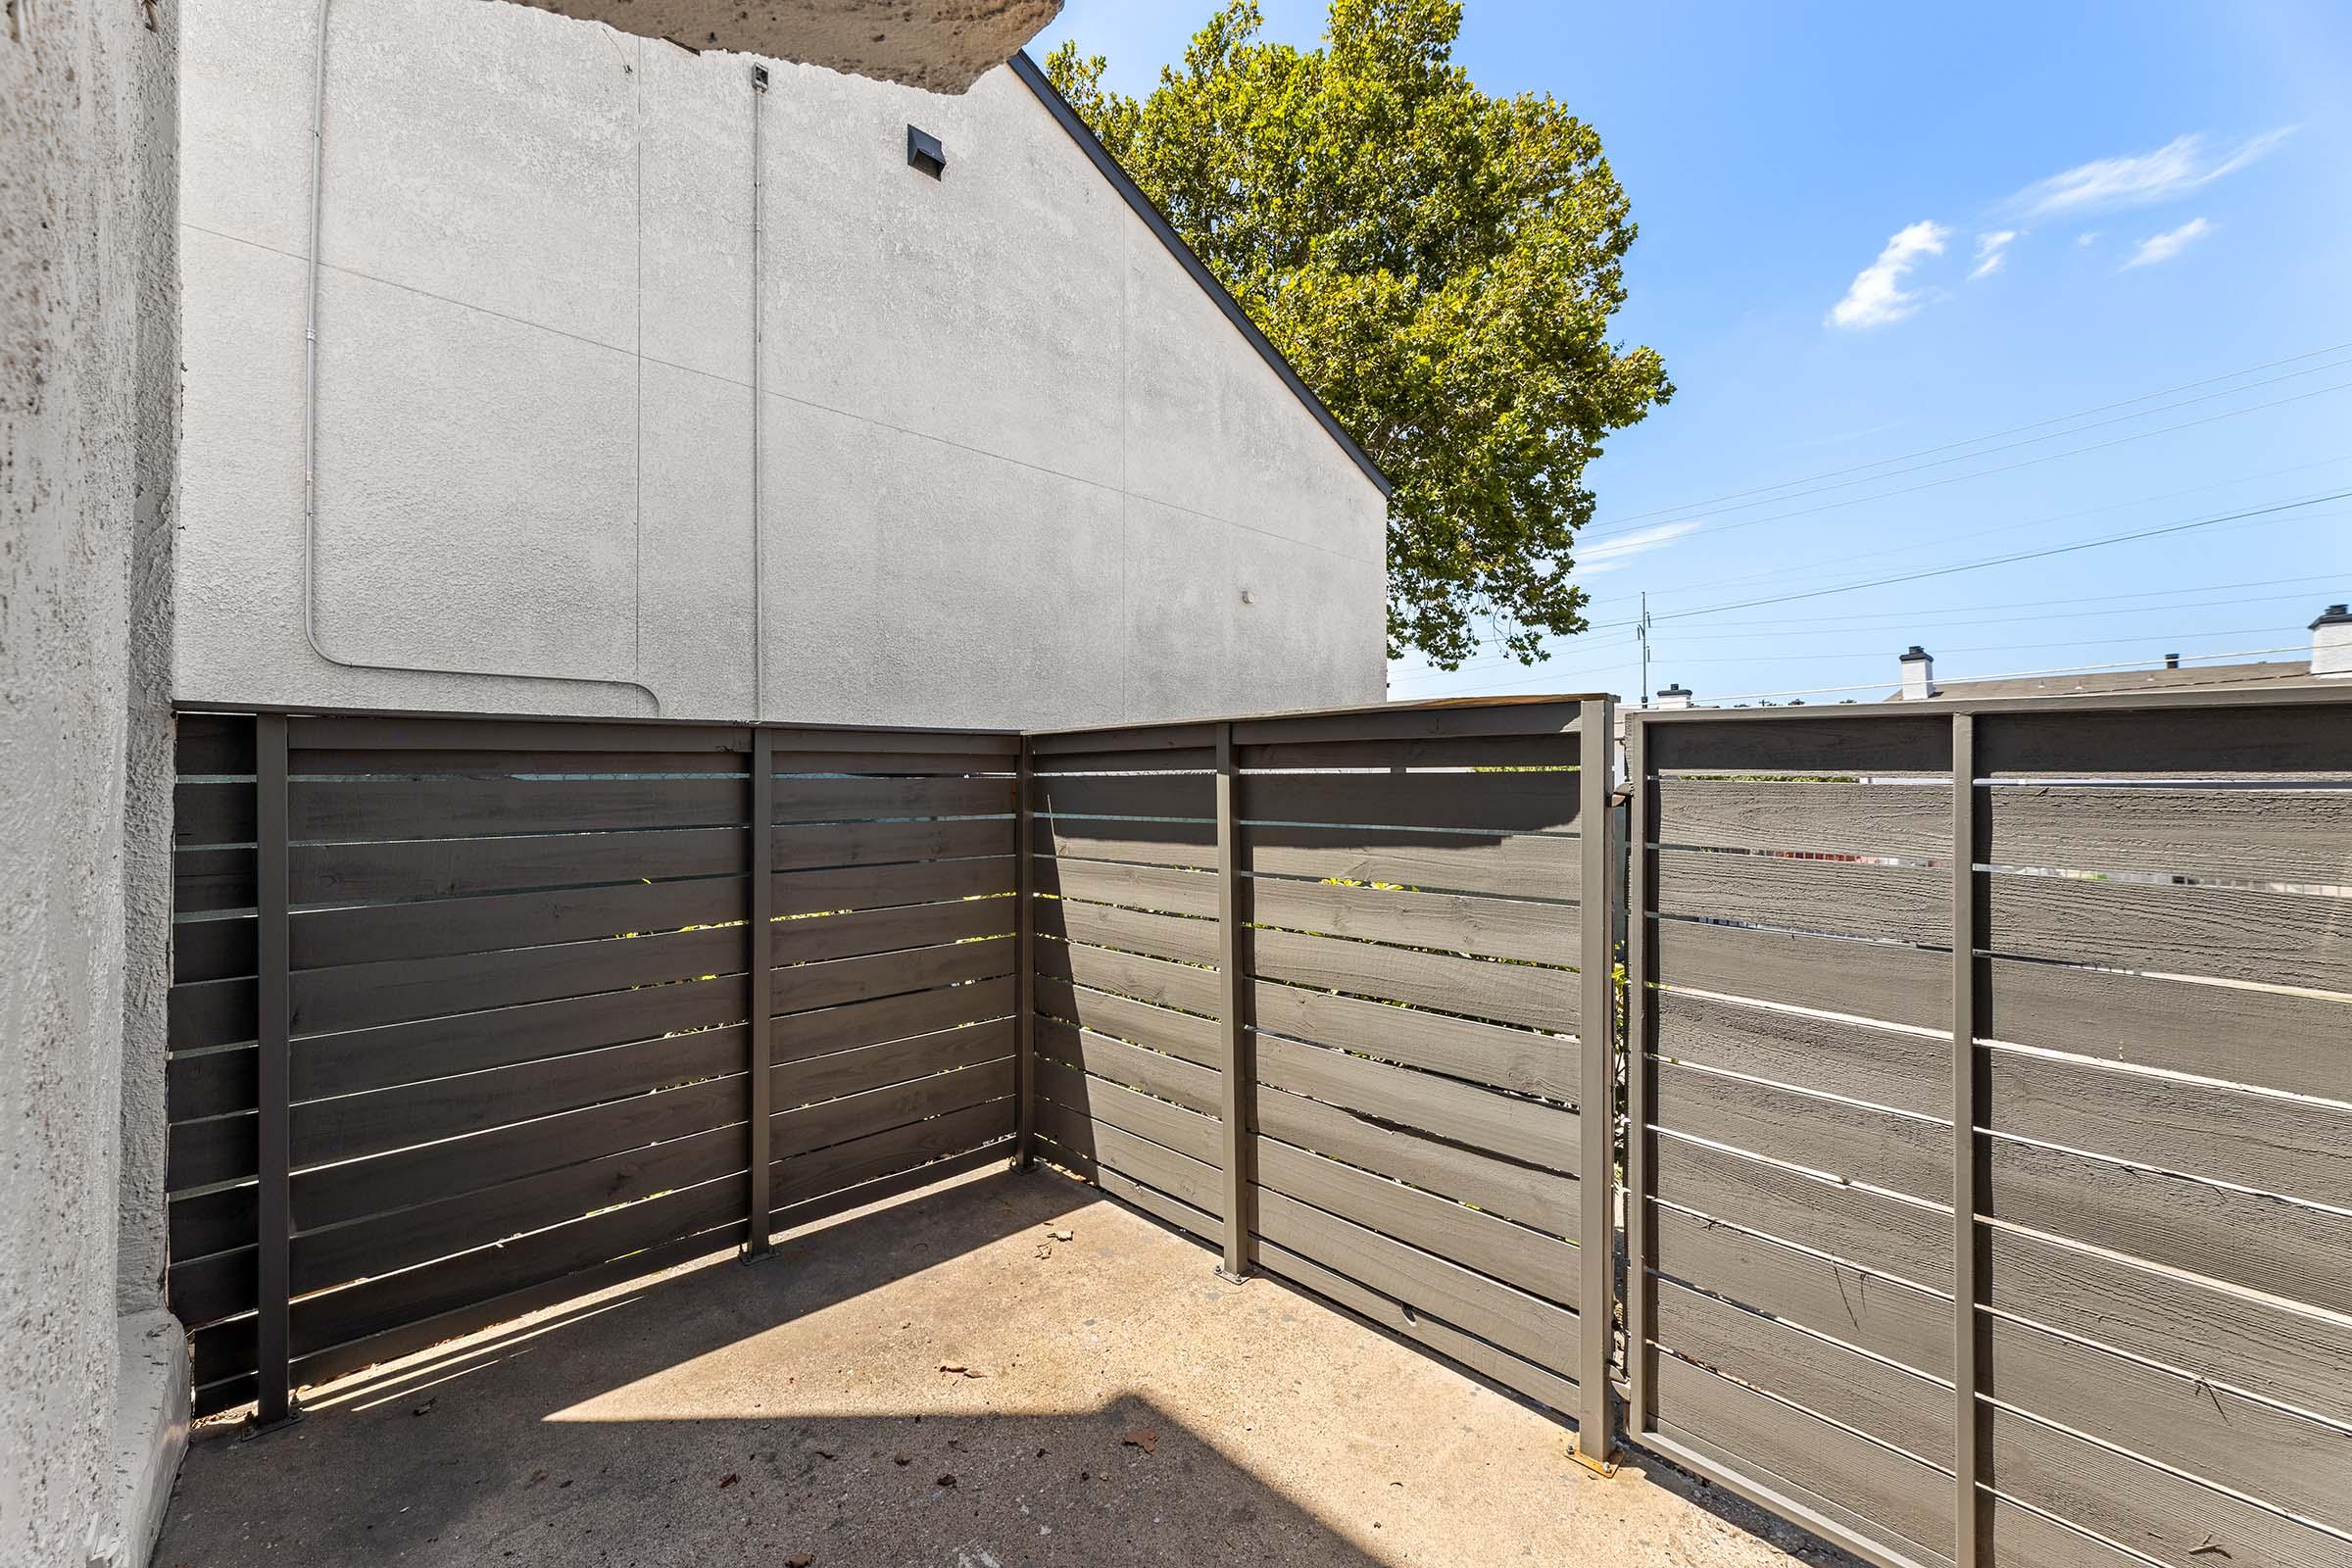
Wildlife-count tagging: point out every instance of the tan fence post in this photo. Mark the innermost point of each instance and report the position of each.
(762, 977)
(1637, 966)
(1596, 1120)
(273, 1027)
(1239, 1074)
(1967, 1103)
(1024, 984)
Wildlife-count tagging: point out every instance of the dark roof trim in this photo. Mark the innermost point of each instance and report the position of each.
(1034, 77)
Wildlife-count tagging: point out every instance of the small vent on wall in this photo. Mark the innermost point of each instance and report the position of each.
(925, 153)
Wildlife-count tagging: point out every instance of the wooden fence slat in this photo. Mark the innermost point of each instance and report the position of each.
(1188, 987)
(841, 800)
(867, 887)
(1525, 1130)
(861, 933)
(1871, 1311)
(1798, 815)
(2273, 1040)
(1141, 886)
(2223, 1337)
(465, 808)
(806, 1128)
(1182, 938)
(1098, 1149)
(1906, 1155)
(1834, 898)
(1863, 979)
(2267, 1141)
(1900, 1408)
(923, 1148)
(2240, 834)
(1504, 1058)
(1478, 987)
(1195, 1088)
(1185, 1131)
(2164, 1516)
(1882, 1235)
(1509, 865)
(1493, 928)
(813, 1079)
(447, 927)
(850, 1025)
(800, 847)
(1864, 1061)
(1898, 1502)
(2289, 939)
(805, 986)
(449, 869)
(1525, 1325)
(1161, 1029)
(1541, 1200)
(1474, 803)
(1541, 1265)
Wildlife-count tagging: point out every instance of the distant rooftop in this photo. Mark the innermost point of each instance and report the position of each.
(2268, 674)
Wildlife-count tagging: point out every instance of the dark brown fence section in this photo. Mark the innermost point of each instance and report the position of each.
(492, 1037)
(2130, 1347)
(1317, 988)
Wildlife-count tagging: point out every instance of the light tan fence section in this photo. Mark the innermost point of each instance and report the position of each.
(1314, 988)
(2134, 1344)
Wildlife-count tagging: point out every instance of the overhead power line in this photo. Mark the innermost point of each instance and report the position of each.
(1954, 446)
(2010, 467)
(2011, 558)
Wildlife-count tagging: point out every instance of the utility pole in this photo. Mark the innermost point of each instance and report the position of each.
(1642, 635)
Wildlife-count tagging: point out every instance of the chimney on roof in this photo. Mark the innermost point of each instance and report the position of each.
(1919, 675)
(2332, 643)
(2172, 661)
(1677, 695)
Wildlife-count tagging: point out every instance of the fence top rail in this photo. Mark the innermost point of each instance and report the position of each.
(1538, 714)
(2311, 696)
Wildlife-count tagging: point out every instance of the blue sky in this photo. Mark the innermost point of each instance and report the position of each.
(1820, 189)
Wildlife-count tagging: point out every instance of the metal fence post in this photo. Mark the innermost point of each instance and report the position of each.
(1024, 984)
(1240, 1071)
(1638, 959)
(1967, 1103)
(1596, 1120)
(761, 974)
(273, 997)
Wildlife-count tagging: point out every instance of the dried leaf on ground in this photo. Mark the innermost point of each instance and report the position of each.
(729, 1480)
(1144, 1438)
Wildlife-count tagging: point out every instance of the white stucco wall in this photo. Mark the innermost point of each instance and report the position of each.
(1016, 467)
(89, 1362)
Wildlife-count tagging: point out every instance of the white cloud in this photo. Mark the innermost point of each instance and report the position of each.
(1611, 554)
(1991, 250)
(1876, 296)
(2141, 179)
(2088, 237)
(2169, 244)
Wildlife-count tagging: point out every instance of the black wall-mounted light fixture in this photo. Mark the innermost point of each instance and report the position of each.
(925, 153)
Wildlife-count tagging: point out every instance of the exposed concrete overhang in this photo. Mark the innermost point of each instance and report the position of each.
(939, 45)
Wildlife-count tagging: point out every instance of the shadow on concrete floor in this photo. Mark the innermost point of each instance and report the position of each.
(1129, 1406)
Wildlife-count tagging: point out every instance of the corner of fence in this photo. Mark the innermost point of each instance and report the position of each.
(1024, 984)
(1597, 1104)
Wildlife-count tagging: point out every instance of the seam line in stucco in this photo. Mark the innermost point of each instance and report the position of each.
(807, 403)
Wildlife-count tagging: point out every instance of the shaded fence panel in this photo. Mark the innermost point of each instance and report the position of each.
(519, 1052)
(2131, 1344)
(1312, 988)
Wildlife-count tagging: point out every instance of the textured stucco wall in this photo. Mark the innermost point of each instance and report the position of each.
(87, 394)
(1016, 467)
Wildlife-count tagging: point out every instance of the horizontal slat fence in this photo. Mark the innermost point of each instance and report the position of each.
(1317, 988)
(552, 995)
(2106, 1324)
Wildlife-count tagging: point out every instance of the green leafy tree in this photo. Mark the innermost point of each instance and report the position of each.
(1440, 265)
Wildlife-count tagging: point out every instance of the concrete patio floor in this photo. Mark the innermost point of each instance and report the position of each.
(1121, 1403)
